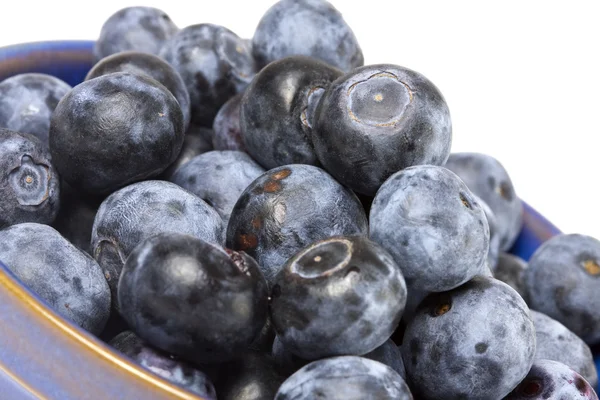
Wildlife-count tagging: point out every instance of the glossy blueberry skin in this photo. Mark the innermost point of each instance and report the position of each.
(29, 183)
(76, 216)
(488, 179)
(197, 140)
(69, 280)
(143, 29)
(377, 120)
(253, 376)
(215, 65)
(138, 211)
(176, 371)
(510, 270)
(552, 380)
(345, 378)
(219, 178)
(562, 280)
(426, 217)
(278, 110)
(27, 102)
(192, 299)
(228, 132)
(114, 130)
(338, 296)
(453, 349)
(312, 28)
(150, 65)
(555, 342)
(288, 208)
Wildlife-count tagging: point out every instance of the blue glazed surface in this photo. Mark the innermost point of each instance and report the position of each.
(50, 355)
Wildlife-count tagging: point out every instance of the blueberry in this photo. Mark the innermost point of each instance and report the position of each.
(288, 208)
(29, 184)
(219, 178)
(286, 361)
(253, 376)
(344, 378)
(312, 28)
(69, 280)
(476, 341)
(555, 342)
(562, 280)
(377, 120)
(214, 63)
(338, 296)
(197, 141)
(426, 217)
(264, 341)
(114, 130)
(142, 29)
(176, 371)
(552, 380)
(27, 102)
(76, 216)
(494, 250)
(510, 270)
(138, 211)
(278, 109)
(192, 299)
(228, 132)
(488, 179)
(389, 354)
(151, 66)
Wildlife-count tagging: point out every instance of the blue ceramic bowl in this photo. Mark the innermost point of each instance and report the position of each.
(43, 356)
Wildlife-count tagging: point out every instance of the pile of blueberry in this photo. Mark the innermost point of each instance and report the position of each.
(271, 219)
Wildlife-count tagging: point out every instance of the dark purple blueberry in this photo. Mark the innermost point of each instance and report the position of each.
(195, 142)
(278, 110)
(338, 296)
(312, 28)
(76, 216)
(215, 65)
(378, 120)
(555, 342)
(552, 380)
(562, 280)
(69, 280)
(114, 130)
(286, 361)
(176, 371)
(345, 378)
(139, 211)
(149, 65)
(219, 178)
(494, 250)
(488, 179)
(474, 342)
(27, 102)
(29, 184)
(142, 29)
(264, 341)
(389, 354)
(253, 376)
(510, 270)
(228, 132)
(426, 217)
(288, 208)
(193, 299)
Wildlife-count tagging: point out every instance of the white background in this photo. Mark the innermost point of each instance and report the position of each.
(522, 78)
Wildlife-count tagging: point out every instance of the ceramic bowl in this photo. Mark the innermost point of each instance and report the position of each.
(42, 355)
